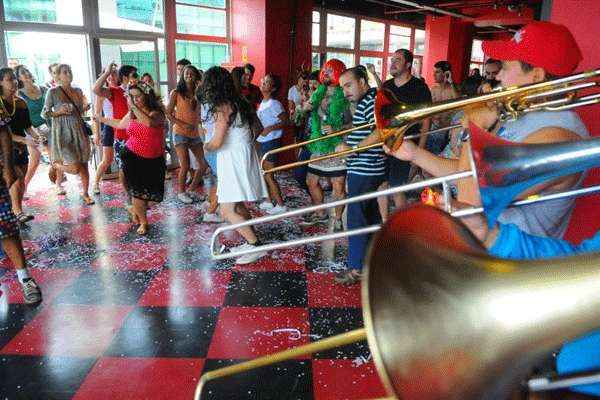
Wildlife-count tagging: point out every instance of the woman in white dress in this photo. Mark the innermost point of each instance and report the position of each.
(239, 177)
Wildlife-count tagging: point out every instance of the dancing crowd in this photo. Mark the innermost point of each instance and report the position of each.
(220, 125)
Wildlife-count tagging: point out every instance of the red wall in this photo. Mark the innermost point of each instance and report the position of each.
(248, 29)
(447, 38)
(581, 17)
(262, 29)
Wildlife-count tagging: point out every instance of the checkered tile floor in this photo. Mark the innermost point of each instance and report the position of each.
(125, 317)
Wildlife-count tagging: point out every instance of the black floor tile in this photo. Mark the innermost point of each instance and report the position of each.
(326, 322)
(288, 380)
(47, 378)
(107, 287)
(165, 332)
(13, 317)
(267, 289)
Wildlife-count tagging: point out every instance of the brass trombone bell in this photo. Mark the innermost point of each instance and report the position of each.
(392, 120)
(444, 320)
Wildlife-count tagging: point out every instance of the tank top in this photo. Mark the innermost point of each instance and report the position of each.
(145, 141)
(35, 107)
(187, 112)
(547, 218)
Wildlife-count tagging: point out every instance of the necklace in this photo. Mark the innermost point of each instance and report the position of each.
(14, 106)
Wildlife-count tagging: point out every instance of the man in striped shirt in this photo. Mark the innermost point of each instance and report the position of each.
(366, 170)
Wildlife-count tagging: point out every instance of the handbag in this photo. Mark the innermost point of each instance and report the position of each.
(86, 127)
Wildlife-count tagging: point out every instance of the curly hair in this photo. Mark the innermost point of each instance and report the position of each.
(151, 100)
(218, 90)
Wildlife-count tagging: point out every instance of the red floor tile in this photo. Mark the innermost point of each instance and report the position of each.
(135, 256)
(141, 378)
(345, 380)
(103, 234)
(69, 330)
(187, 288)
(248, 332)
(51, 281)
(324, 292)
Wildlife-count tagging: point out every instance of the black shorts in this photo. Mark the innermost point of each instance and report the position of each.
(20, 155)
(108, 136)
(398, 171)
(264, 147)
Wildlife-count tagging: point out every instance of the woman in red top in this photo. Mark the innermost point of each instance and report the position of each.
(143, 155)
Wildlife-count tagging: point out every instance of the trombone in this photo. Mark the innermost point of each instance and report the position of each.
(496, 173)
(515, 102)
(444, 325)
(392, 120)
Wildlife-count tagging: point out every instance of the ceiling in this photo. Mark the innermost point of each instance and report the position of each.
(391, 9)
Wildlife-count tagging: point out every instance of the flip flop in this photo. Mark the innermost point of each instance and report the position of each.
(24, 218)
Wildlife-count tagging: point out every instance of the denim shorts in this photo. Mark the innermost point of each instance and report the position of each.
(108, 136)
(264, 147)
(186, 140)
(211, 160)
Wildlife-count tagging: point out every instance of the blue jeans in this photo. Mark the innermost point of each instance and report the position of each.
(360, 215)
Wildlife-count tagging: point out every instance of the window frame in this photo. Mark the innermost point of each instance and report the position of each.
(322, 49)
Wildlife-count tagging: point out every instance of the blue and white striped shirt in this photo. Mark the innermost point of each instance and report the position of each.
(371, 162)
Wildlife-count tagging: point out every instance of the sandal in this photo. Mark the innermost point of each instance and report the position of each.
(88, 200)
(96, 189)
(60, 191)
(24, 218)
(348, 278)
(142, 229)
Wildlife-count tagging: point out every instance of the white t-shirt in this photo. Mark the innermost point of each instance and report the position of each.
(268, 113)
(294, 95)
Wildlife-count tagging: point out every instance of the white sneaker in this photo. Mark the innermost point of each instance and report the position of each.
(185, 198)
(265, 205)
(277, 210)
(250, 258)
(210, 217)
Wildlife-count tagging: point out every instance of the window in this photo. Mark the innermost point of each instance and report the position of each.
(316, 28)
(477, 56)
(346, 58)
(66, 12)
(399, 38)
(419, 42)
(136, 15)
(316, 61)
(372, 35)
(378, 63)
(340, 31)
(37, 50)
(138, 53)
(203, 55)
(477, 52)
(201, 20)
(339, 40)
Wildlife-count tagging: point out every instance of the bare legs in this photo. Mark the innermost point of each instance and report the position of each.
(139, 210)
(235, 213)
(16, 191)
(80, 169)
(273, 186)
(108, 155)
(34, 162)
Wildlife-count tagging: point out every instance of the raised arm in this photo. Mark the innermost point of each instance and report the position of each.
(99, 89)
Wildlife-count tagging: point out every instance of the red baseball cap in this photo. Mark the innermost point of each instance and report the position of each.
(542, 44)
